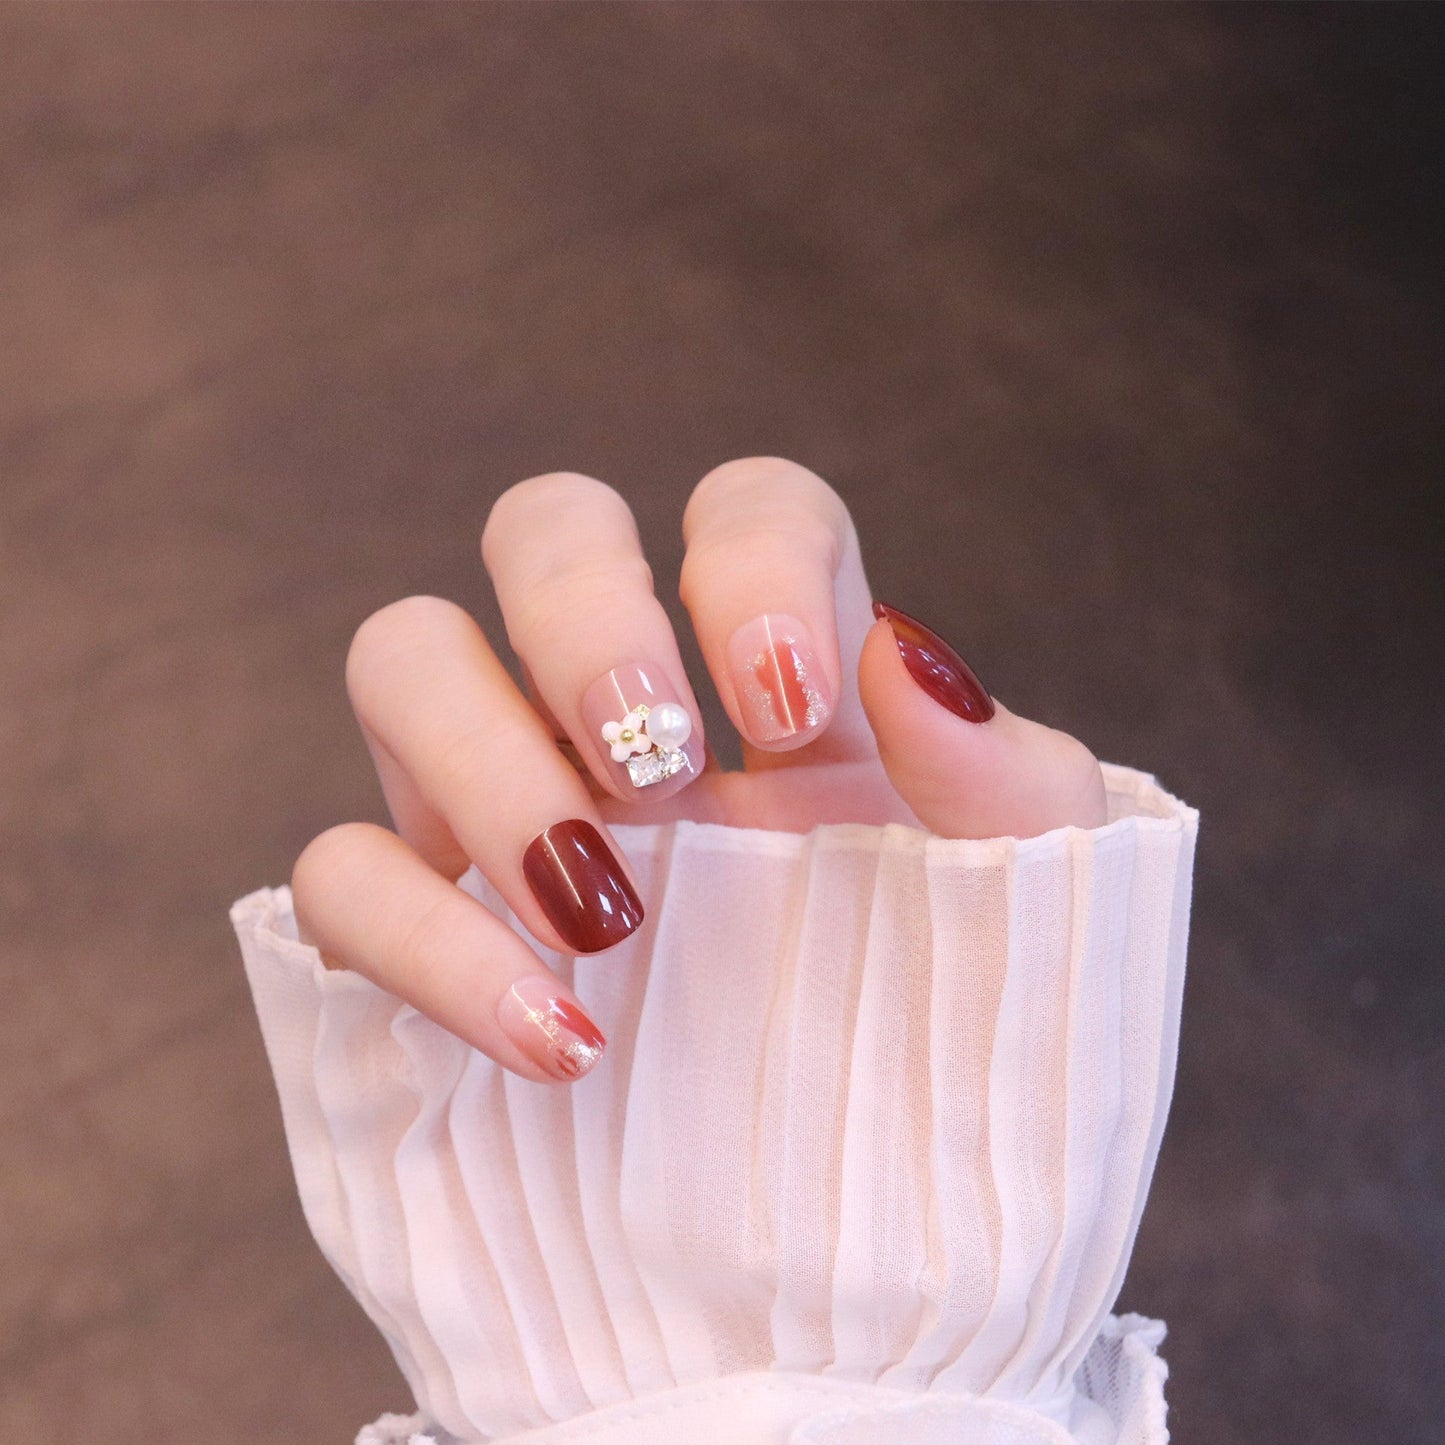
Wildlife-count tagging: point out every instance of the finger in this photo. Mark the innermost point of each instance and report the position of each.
(428, 688)
(369, 903)
(774, 584)
(967, 766)
(576, 594)
(412, 816)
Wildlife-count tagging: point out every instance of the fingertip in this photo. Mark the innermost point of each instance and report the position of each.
(910, 725)
(966, 769)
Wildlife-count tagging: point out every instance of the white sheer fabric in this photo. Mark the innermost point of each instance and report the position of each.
(863, 1162)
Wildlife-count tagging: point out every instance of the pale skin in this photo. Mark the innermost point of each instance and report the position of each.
(472, 770)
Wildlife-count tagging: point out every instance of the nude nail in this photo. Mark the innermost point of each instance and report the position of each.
(552, 1031)
(780, 685)
(641, 733)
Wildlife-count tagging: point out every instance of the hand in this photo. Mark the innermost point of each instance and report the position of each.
(843, 718)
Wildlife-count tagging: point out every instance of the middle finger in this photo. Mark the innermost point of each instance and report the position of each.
(576, 594)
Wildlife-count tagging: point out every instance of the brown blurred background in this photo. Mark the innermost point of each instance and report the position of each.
(1119, 329)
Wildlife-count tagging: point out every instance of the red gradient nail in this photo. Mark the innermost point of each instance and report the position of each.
(936, 667)
(552, 1031)
(781, 690)
(581, 886)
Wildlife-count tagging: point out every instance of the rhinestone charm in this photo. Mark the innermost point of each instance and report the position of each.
(654, 766)
(650, 757)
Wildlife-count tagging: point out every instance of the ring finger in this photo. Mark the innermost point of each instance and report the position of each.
(466, 755)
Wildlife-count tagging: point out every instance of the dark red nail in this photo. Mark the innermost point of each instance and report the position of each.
(936, 667)
(580, 884)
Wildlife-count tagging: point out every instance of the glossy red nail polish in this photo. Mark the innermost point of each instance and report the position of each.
(936, 667)
(581, 886)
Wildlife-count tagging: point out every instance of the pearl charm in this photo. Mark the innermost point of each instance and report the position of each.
(669, 726)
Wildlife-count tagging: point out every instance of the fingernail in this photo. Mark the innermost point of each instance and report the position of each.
(780, 686)
(641, 734)
(553, 1032)
(581, 886)
(936, 667)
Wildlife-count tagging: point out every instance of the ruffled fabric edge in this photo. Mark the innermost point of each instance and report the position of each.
(1120, 1398)
(1136, 800)
(1137, 805)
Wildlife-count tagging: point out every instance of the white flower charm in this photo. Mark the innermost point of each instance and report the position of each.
(652, 749)
(627, 737)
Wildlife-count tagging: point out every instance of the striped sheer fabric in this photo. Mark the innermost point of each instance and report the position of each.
(864, 1160)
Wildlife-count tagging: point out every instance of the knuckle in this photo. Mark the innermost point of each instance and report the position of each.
(520, 507)
(744, 482)
(557, 544)
(1074, 757)
(768, 485)
(764, 548)
(324, 860)
(424, 940)
(397, 625)
(573, 586)
(461, 770)
(766, 510)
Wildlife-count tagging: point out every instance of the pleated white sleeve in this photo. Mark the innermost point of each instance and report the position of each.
(863, 1162)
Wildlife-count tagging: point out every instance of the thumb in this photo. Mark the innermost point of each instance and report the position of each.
(966, 765)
